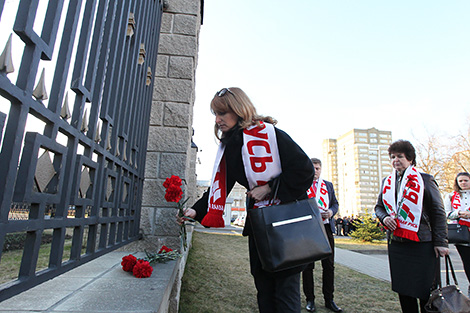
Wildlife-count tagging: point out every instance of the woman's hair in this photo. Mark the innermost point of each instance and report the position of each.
(235, 100)
(456, 184)
(405, 147)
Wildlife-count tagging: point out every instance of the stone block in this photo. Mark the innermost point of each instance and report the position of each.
(153, 193)
(181, 67)
(156, 113)
(152, 164)
(185, 24)
(166, 139)
(176, 114)
(184, 6)
(173, 90)
(165, 222)
(167, 22)
(172, 164)
(147, 220)
(162, 66)
(177, 45)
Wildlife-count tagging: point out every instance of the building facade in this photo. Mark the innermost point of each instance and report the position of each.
(356, 163)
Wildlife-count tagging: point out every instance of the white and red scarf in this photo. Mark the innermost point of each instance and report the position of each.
(260, 155)
(408, 205)
(321, 195)
(456, 204)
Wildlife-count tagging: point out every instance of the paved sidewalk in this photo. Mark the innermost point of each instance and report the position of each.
(376, 265)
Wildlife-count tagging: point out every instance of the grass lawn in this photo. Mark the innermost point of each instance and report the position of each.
(353, 244)
(217, 279)
(11, 261)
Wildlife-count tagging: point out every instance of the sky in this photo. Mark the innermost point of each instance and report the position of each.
(323, 68)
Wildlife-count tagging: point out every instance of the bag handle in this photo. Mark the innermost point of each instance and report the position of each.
(449, 263)
(273, 196)
(250, 201)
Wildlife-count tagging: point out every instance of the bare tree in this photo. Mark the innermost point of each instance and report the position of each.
(444, 157)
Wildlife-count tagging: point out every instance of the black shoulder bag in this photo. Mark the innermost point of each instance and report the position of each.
(448, 299)
(289, 235)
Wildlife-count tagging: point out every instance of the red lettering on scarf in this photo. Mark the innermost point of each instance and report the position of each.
(258, 143)
(456, 200)
(386, 188)
(255, 132)
(260, 160)
(412, 196)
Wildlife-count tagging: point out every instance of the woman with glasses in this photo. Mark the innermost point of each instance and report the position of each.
(410, 207)
(253, 153)
(457, 205)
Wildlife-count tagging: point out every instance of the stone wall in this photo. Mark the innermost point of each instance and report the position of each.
(170, 150)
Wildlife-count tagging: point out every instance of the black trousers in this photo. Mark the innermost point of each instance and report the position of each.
(410, 305)
(464, 252)
(328, 273)
(277, 292)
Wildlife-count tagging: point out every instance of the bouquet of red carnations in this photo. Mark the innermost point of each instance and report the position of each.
(174, 193)
(141, 268)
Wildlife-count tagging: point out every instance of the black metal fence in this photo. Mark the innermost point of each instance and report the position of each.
(76, 81)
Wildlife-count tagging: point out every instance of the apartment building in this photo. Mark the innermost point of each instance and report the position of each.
(356, 163)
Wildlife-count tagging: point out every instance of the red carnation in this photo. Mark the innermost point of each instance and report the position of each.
(173, 180)
(142, 269)
(412, 181)
(173, 193)
(128, 262)
(165, 249)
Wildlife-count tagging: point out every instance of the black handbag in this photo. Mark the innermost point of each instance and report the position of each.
(289, 235)
(457, 233)
(448, 299)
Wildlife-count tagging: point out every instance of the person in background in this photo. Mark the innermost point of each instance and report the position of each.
(324, 192)
(339, 226)
(457, 206)
(254, 153)
(346, 225)
(410, 207)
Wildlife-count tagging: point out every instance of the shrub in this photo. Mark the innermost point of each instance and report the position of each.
(367, 228)
(15, 241)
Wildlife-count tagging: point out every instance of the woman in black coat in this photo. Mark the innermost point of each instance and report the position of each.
(411, 208)
(254, 154)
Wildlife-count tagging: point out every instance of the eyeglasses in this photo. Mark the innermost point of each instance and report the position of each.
(223, 91)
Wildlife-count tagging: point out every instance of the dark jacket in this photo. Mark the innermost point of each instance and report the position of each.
(295, 179)
(333, 203)
(433, 224)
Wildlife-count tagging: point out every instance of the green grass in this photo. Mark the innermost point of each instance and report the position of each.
(11, 260)
(217, 279)
(353, 244)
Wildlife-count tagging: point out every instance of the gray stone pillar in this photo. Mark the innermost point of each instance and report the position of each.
(170, 150)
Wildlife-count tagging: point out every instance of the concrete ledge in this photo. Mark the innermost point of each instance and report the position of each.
(102, 286)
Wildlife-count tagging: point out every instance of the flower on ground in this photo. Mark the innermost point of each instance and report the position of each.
(164, 249)
(128, 262)
(142, 269)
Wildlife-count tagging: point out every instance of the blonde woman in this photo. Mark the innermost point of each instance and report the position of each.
(254, 153)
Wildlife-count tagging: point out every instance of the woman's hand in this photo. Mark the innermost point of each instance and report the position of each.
(464, 214)
(441, 251)
(390, 223)
(187, 212)
(259, 192)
